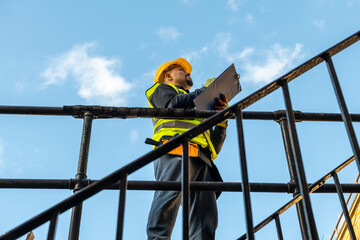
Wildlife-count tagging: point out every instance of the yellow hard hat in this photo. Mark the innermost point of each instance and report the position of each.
(159, 75)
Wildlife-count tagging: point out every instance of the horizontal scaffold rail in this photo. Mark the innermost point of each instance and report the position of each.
(171, 186)
(128, 112)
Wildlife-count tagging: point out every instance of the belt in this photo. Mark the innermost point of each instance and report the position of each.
(194, 149)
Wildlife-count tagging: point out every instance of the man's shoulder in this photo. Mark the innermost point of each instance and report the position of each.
(166, 88)
(162, 95)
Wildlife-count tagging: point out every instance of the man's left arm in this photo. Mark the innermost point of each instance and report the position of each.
(218, 136)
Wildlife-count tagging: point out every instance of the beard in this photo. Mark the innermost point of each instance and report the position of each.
(189, 82)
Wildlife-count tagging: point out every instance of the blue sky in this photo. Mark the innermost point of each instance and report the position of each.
(106, 53)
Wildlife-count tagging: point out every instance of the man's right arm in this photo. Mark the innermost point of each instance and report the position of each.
(166, 96)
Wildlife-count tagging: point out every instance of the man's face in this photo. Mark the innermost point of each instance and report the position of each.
(180, 77)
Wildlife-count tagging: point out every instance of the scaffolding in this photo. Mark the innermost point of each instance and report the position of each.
(354, 212)
(85, 188)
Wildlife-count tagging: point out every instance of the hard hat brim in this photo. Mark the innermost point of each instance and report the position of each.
(159, 78)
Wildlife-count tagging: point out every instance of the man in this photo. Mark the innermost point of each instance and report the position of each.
(171, 90)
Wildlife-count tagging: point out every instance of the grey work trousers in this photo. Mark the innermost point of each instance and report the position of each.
(165, 205)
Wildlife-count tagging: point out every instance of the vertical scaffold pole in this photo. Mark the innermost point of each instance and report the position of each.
(310, 221)
(52, 227)
(81, 174)
(185, 190)
(244, 175)
(343, 206)
(121, 210)
(293, 177)
(278, 227)
(344, 110)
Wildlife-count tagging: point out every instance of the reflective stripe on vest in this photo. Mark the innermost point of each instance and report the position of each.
(170, 127)
(173, 124)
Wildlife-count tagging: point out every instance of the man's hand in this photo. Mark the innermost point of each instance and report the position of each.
(221, 103)
(209, 81)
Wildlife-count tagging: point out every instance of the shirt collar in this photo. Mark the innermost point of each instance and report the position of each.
(182, 88)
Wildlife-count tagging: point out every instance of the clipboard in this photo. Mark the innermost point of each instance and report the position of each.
(227, 83)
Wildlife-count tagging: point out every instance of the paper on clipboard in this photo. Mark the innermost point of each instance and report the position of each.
(227, 83)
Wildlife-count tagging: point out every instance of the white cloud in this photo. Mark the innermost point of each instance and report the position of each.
(96, 76)
(197, 54)
(168, 33)
(250, 18)
(134, 135)
(260, 67)
(277, 61)
(319, 23)
(223, 41)
(234, 4)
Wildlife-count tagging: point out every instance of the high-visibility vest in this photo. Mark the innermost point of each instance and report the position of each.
(169, 127)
